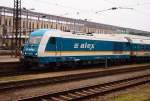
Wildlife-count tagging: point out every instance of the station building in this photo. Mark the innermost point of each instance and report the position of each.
(31, 21)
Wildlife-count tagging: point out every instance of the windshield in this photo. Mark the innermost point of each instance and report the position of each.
(35, 39)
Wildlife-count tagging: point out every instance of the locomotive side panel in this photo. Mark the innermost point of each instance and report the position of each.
(72, 49)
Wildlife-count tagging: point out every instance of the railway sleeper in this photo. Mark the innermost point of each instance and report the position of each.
(73, 95)
(65, 97)
(93, 90)
(55, 99)
(81, 93)
(87, 92)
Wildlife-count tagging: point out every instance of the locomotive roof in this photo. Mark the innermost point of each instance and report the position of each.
(94, 36)
(39, 32)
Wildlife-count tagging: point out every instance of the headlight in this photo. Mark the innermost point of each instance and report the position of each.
(36, 54)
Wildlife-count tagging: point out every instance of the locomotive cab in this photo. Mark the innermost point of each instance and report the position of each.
(30, 49)
(40, 49)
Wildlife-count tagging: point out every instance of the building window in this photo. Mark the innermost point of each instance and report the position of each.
(44, 25)
(33, 25)
(6, 22)
(0, 19)
(30, 26)
(51, 26)
(23, 24)
(10, 22)
(47, 25)
(37, 26)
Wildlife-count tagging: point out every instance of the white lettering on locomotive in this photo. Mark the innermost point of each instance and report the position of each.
(84, 45)
(76, 45)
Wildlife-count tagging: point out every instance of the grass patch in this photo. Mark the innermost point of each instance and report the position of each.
(140, 94)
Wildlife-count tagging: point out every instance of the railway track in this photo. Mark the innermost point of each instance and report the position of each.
(78, 94)
(15, 69)
(66, 78)
(32, 91)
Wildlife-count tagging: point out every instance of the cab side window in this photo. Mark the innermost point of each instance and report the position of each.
(53, 40)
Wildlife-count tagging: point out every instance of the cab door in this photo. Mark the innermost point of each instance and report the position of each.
(58, 46)
(51, 47)
(130, 46)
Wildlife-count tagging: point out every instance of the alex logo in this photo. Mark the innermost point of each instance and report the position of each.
(29, 49)
(84, 45)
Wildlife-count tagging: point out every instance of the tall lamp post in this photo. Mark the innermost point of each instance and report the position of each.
(86, 26)
(113, 8)
(27, 20)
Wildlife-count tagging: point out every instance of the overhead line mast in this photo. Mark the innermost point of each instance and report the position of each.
(16, 27)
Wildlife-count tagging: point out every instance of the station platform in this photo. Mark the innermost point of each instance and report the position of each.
(8, 58)
(8, 64)
(5, 52)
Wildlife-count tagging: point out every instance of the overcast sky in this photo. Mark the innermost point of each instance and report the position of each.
(138, 17)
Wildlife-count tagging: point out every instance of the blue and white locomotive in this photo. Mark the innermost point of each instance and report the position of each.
(51, 46)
